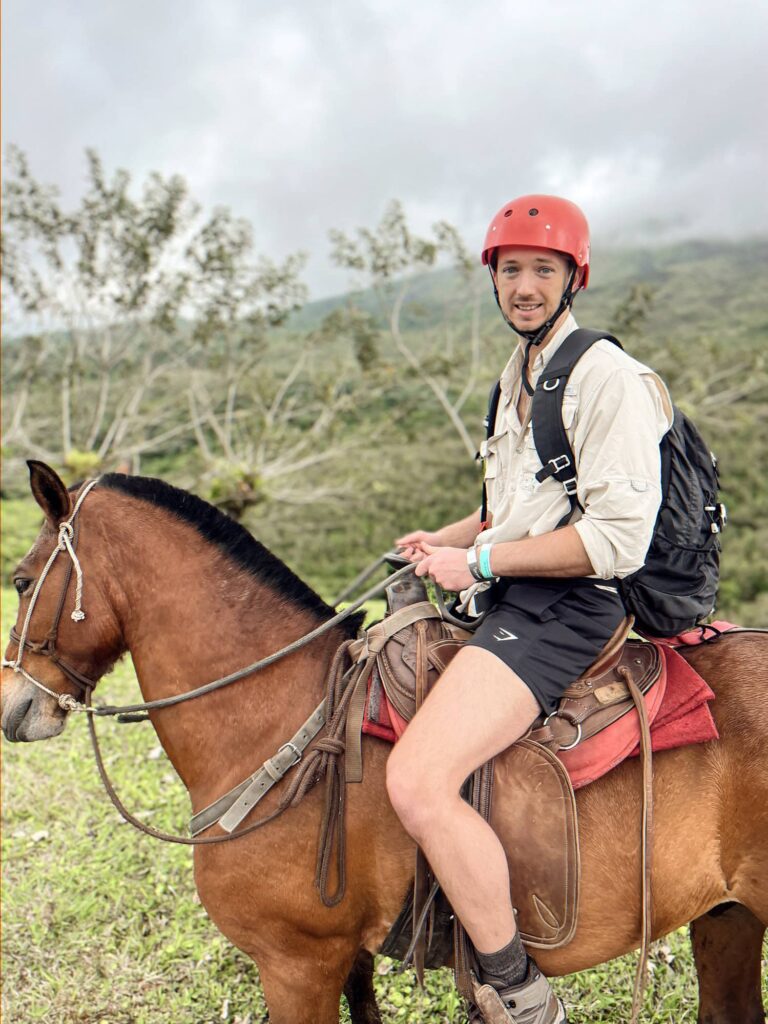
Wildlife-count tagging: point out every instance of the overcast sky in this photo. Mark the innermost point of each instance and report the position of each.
(303, 116)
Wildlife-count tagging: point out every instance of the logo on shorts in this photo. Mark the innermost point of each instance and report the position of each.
(505, 634)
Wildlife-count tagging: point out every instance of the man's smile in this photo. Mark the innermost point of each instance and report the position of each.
(527, 310)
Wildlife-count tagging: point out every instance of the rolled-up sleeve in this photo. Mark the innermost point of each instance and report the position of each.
(616, 445)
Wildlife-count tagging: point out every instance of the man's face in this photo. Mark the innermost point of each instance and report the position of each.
(530, 283)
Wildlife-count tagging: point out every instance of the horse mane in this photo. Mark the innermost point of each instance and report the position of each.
(231, 538)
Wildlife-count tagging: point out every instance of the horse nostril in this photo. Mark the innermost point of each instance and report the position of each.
(15, 718)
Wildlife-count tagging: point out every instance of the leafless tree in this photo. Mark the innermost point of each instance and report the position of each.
(387, 258)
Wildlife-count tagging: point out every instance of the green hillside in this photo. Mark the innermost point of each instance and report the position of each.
(695, 312)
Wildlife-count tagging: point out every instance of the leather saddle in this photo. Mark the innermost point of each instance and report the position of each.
(525, 792)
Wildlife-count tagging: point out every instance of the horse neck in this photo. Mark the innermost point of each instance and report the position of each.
(190, 615)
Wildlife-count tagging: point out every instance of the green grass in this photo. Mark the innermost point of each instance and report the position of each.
(20, 519)
(101, 925)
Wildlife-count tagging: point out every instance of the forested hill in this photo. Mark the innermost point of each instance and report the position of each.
(698, 288)
(330, 429)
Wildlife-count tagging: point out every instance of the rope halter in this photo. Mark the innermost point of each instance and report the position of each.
(64, 544)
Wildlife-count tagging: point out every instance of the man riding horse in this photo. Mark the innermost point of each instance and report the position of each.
(549, 578)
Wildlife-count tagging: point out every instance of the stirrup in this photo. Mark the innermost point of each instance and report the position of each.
(530, 1002)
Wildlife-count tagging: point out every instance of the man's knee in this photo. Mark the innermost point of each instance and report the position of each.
(416, 794)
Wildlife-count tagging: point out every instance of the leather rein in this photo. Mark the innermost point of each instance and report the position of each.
(342, 691)
(322, 759)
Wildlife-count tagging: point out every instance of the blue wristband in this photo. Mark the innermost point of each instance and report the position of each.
(484, 561)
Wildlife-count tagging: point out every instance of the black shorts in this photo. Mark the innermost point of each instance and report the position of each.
(548, 631)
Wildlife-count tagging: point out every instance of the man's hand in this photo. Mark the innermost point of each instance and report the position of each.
(411, 544)
(446, 566)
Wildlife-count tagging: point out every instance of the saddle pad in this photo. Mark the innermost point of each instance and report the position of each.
(677, 706)
(533, 812)
(595, 756)
(679, 714)
(380, 717)
(684, 716)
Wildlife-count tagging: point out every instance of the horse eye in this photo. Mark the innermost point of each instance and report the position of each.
(21, 584)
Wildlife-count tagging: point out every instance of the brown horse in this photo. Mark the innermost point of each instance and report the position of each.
(192, 596)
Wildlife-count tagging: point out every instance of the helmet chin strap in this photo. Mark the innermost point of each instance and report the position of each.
(536, 337)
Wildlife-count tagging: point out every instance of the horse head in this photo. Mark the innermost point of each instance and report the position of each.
(58, 649)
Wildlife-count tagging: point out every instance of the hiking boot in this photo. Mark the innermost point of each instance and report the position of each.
(531, 1002)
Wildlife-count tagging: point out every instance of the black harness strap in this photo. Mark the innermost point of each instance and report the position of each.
(490, 421)
(549, 435)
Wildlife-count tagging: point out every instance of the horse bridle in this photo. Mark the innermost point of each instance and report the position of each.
(322, 758)
(67, 542)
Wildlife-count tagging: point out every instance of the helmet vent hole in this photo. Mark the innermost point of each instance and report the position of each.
(507, 213)
(533, 213)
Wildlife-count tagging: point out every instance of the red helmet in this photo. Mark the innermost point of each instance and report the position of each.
(544, 222)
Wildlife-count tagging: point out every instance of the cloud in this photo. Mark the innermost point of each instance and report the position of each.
(304, 117)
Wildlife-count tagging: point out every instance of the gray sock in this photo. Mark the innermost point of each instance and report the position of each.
(505, 967)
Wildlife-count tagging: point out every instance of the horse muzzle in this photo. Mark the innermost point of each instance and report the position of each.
(26, 713)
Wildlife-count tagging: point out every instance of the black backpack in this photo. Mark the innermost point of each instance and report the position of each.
(677, 586)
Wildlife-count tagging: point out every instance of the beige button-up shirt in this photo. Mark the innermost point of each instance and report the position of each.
(615, 412)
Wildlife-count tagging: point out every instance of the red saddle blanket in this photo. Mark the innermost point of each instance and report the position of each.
(678, 707)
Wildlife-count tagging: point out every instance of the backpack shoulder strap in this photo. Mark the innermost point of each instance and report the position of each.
(493, 408)
(490, 422)
(549, 435)
(570, 352)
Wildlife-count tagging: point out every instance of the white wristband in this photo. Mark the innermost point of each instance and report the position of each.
(473, 566)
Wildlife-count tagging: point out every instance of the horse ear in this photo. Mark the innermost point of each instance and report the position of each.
(49, 492)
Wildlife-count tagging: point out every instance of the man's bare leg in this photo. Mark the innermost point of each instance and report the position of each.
(478, 708)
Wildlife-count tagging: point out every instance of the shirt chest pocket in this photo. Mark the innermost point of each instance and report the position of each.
(494, 455)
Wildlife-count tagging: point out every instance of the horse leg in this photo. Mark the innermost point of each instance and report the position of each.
(363, 1008)
(303, 983)
(727, 946)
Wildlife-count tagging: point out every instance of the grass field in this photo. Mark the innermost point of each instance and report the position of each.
(101, 925)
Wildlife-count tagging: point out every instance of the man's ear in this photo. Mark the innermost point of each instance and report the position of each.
(578, 281)
(49, 492)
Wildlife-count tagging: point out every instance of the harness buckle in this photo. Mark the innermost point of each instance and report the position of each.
(559, 463)
(296, 751)
(570, 485)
